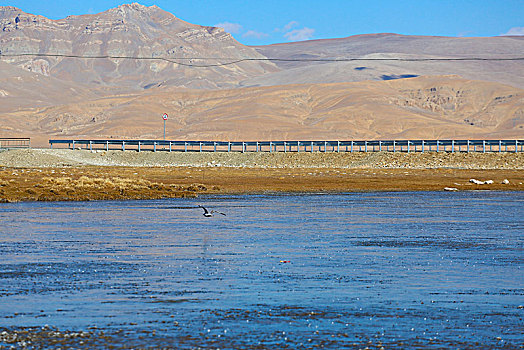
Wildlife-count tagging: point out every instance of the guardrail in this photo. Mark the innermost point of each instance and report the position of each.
(299, 146)
(15, 142)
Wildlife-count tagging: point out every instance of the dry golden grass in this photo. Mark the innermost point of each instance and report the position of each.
(119, 183)
(85, 183)
(28, 186)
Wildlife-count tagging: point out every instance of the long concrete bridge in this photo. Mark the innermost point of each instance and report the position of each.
(295, 146)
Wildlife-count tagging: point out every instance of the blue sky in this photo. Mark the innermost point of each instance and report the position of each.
(261, 22)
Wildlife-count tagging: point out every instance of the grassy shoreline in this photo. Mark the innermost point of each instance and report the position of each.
(126, 183)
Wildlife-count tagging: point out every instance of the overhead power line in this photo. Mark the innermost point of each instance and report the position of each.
(230, 61)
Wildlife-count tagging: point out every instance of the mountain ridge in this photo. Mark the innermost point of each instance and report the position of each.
(361, 48)
(128, 30)
(366, 99)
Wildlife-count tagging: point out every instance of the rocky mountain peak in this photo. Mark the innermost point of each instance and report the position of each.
(13, 18)
(8, 9)
(132, 9)
(130, 30)
(134, 6)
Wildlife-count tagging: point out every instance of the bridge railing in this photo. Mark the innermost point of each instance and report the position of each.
(15, 142)
(296, 146)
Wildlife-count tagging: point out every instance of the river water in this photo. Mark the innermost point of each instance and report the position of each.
(399, 270)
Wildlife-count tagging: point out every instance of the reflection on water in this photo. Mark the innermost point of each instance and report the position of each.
(425, 270)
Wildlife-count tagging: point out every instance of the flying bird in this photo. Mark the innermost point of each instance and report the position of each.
(209, 213)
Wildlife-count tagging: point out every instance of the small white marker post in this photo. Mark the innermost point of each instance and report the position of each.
(164, 116)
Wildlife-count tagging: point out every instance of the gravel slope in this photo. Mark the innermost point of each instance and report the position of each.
(28, 158)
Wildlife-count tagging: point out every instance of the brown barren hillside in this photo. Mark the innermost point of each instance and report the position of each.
(376, 59)
(47, 96)
(425, 107)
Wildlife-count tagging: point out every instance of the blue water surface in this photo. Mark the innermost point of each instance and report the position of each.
(399, 270)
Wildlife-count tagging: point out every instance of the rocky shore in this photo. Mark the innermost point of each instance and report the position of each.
(66, 175)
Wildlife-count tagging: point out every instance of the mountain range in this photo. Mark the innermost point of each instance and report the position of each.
(114, 74)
